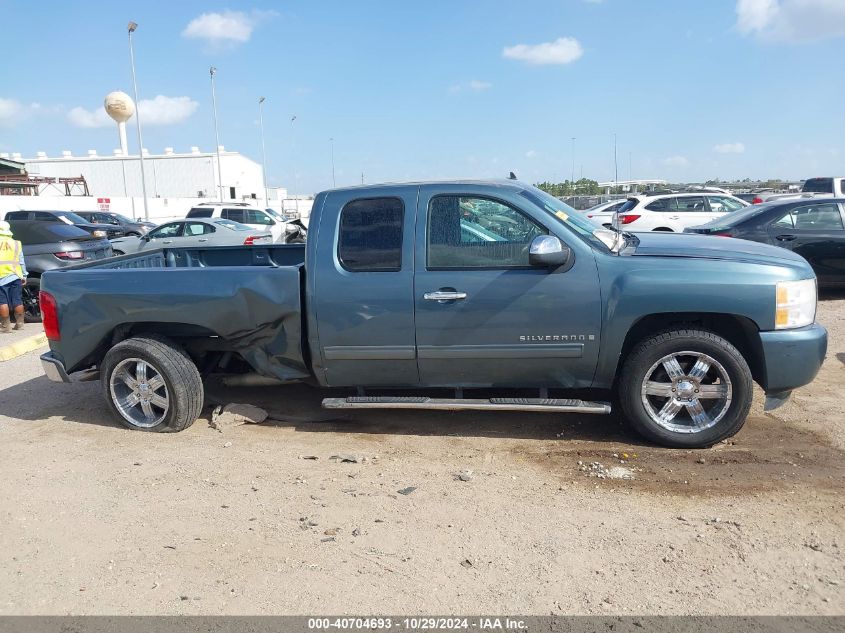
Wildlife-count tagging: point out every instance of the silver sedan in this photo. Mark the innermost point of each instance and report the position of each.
(193, 232)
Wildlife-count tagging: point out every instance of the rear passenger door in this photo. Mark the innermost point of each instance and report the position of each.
(363, 289)
(815, 231)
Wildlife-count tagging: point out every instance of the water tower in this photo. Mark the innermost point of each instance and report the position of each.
(120, 107)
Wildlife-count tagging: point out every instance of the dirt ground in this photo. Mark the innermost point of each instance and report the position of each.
(95, 519)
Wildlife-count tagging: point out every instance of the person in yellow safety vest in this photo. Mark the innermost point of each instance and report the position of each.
(12, 279)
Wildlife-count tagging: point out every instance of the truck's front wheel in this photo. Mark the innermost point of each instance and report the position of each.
(686, 388)
(152, 385)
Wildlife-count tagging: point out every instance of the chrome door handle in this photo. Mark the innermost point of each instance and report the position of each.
(444, 295)
(202, 239)
(166, 241)
(786, 238)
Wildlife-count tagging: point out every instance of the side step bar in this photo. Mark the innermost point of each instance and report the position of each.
(548, 405)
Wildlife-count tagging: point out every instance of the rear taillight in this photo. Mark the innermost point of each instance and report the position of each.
(256, 239)
(722, 234)
(589, 216)
(757, 200)
(70, 255)
(49, 316)
(627, 219)
(249, 241)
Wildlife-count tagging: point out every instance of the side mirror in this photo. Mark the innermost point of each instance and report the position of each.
(145, 238)
(548, 251)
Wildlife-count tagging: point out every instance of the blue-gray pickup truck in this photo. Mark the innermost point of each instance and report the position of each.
(450, 295)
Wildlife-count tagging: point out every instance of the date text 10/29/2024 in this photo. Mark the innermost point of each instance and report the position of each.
(418, 624)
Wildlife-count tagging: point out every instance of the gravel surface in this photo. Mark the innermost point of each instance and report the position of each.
(391, 512)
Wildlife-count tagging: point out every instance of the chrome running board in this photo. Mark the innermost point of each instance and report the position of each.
(547, 405)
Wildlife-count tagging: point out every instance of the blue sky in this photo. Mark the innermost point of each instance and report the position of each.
(694, 89)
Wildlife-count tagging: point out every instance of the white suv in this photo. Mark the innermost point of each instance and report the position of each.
(671, 212)
(260, 219)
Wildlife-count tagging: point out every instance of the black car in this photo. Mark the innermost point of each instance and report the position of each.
(130, 227)
(813, 228)
(109, 231)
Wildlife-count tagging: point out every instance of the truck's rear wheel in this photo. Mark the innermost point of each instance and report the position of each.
(686, 389)
(152, 385)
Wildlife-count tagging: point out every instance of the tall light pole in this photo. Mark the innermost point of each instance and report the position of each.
(131, 28)
(573, 165)
(263, 150)
(212, 71)
(615, 163)
(331, 140)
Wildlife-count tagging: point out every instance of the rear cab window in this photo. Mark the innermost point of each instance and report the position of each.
(201, 212)
(370, 237)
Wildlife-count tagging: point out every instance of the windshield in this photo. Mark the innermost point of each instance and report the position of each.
(576, 222)
(123, 218)
(68, 217)
(276, 214)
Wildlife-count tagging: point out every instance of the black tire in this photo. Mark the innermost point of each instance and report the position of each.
(31, 305)
(116, 252)
(133, 234)
(663, 229)
(182, 380)
(649, 353)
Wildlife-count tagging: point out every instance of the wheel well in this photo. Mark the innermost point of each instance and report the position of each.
(664, 229)
(740, 331)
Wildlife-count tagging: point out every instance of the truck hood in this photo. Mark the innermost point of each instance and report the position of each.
(690, 245)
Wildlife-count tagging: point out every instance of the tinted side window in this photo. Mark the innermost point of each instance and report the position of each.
(721, 204)
(197, 228)
(45, 217)
(690, 204)
(819, 217)
(236, 215)
(371, 235)
(258, 217)
(659, 205)
(470, 232)
(201, 212)
(167, 230)
(17, 215)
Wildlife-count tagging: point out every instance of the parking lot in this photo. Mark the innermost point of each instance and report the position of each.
(100, 520)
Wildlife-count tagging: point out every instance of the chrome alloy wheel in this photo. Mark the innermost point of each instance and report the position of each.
(139, 392)
(686, 392)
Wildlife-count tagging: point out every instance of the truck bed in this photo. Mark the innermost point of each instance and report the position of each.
(243, 298)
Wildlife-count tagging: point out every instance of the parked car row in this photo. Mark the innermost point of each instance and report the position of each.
(667, 212)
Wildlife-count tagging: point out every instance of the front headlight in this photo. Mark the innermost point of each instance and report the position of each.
(796, 304)
(99, 234)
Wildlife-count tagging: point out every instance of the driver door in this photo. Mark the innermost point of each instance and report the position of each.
(508, 323)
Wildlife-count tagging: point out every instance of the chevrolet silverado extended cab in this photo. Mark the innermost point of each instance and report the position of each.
(450, 295)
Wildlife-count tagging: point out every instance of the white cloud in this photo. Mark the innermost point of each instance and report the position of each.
(530, 153)
(158, 111)
(791, 20)
(80, 117)
(13, 111)
(563, 50)
(729, 148)
(676, 161)
(166, 110)
(228, 27)
(475, 86)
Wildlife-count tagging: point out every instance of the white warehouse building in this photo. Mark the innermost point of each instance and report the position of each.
(175, 182)
(168, 175)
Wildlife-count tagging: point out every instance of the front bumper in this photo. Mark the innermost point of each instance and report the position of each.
(54, 368)
(792, 358)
